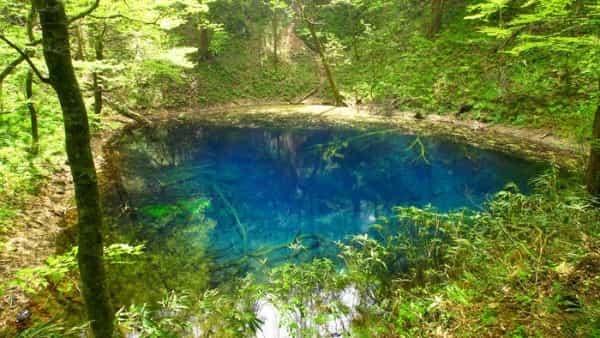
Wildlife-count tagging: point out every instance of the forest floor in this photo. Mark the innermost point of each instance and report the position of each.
(45, 225)
(41, 229)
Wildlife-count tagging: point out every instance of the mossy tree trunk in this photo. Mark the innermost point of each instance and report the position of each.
(96, 75)
(35, 137)
(80, 53)
(437, 12)
(593, 169)
(204, 44)
(55, 39)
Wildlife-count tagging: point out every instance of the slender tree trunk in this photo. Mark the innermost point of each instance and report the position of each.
(437, 11)
(203, 49)
(55, 37)
(262, 42)
(80, 52)
(593, 169)
(35, 138)
(96, 81)
(334, 90)
(97, 93)
(275, 24)
(355, 47)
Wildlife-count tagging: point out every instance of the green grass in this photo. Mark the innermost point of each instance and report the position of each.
(21, 172)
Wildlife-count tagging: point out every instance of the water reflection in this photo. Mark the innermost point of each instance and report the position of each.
(275, 193)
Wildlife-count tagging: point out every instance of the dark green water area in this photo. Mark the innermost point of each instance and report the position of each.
(218, 201)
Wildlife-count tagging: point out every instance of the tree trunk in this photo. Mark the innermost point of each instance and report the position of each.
(96, 81)
(593, 169)
(437, 10)
(275, 24)
(203, 49)
(35, 138)
(55, 38)
(336, 94)
(80, 52)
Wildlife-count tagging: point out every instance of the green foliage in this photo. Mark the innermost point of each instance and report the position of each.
(22, 173)
(53, 329)
(517, 255)
(60, 272)
(524, 267)
(175, 255)
(169, 320)
(307, 295)
(230, 310)
(551, 83)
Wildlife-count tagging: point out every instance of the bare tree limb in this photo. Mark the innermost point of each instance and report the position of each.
(125, 111)
(26, 58)
(85, 13)
(121, 16)
(34, 43)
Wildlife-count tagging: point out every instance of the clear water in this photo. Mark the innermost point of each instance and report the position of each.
(269, 188)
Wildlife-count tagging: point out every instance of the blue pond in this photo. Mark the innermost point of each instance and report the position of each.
(261, 189)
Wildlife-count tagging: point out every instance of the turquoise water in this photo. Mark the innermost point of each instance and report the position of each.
(273, 195)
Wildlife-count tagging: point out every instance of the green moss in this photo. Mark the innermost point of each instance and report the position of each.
(159, 211)
(195, 205)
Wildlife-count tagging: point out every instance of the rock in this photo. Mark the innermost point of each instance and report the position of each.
(23, 316)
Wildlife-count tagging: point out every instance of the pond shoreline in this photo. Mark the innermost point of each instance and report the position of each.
(536, 144)
(43, 227)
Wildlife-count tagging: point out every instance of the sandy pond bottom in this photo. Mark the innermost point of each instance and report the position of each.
(263, 193)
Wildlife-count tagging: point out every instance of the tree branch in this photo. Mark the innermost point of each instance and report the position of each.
(85, 13)
(26, 58)
(511, 38)
(121, 16)
(10, 67)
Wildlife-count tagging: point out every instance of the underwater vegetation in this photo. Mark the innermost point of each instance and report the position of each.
(272, 196)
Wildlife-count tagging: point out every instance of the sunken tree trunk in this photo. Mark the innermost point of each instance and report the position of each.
(437, 10)
(55, 38)
(35, 137)
(334, 90)
(593, 169)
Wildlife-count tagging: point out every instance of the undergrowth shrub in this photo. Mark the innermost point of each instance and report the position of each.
(527, 265)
